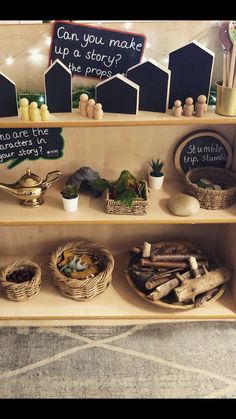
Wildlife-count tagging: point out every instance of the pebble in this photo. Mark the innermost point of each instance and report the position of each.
(183, 204)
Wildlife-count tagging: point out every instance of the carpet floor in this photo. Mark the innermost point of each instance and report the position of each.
(165, 360)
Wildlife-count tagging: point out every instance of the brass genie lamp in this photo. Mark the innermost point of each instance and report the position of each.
(30, 188)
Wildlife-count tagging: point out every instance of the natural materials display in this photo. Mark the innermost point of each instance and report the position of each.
(81, 270)
(20, 280)
(126, 195)
(215, 188)
(175, 274)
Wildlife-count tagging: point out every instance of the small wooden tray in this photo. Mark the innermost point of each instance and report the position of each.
(175, 305)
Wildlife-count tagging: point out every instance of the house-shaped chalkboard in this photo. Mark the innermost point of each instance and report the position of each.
(117, 94)
(153, 80)
(8, 100)
(191, 72)
(58, 87)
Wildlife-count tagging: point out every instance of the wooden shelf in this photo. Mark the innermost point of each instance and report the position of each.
(73, 119)
(119, 301)
(92, 211)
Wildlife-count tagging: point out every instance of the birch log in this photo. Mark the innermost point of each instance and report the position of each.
(205, 283)
(164, 289)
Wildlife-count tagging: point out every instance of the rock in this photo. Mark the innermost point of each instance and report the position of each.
(83, 176)
(183, 205)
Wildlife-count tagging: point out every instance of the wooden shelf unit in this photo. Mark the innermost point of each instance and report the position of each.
(48, 226)
(73, 119)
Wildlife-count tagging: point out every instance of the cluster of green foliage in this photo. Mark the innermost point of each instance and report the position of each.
(125, 189)
(157, 166)
(70, 191)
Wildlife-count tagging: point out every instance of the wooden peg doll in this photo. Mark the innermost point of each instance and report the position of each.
(24, 109)
(98, 112)
(83, 102)
(34, 114)
(188, 107)
(90, 108)
(44, 113)
(201, 106)
(177, 108)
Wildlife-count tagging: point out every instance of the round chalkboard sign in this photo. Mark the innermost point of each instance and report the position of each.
(200, 149)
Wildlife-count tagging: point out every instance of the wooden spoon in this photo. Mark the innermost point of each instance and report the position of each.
(232, 35)
(227, 47)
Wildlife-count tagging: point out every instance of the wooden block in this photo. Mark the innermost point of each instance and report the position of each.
(8, 99)
(118, 95)
(191, 72)
(153, 80)
(58, 87)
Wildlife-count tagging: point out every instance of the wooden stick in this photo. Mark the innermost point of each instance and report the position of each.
(197, 286)
(163, 289)
(177, 257)
(155, 281)
(146, 250)
(170, 264)
(232, 65)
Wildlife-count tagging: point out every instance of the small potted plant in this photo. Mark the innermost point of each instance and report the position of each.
(70, 197)
(156, 176)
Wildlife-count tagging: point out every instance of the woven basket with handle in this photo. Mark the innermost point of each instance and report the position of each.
(25, 290)
(211, 199)
(83, 289)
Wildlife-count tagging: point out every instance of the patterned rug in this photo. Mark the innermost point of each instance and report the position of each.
(166, 360)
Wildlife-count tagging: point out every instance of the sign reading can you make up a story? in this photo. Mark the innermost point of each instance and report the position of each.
(95, 52)
(19, 144)
(201, 149)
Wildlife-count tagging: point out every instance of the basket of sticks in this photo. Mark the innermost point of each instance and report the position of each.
(20, 280)
(81, 270)
(215, 188)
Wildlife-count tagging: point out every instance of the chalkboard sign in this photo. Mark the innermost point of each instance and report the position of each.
(95, 52)
(19, 144)
(201, 149)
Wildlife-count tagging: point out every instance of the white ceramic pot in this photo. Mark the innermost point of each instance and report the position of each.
(155, 182)
(70, 205)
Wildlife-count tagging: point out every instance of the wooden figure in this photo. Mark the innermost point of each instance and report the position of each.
(191, 72)
(44, 113)
(83, 102)
(58, 87)
(154, 81)
(8, 100)
(34, 114)
(118, 95)
(24, 109)
(188, 107)
(90, 108)
(177, 108)
(98, 112)
(201, 106)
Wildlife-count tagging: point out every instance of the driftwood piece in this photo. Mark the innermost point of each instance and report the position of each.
(194, 266)
(170, 264)
(175, 246)
(153, 283)
(163, 289)
(206, 282)
(200, 301)
(156, 257)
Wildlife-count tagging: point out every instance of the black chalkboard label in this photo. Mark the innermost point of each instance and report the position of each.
(19, 144)
(95, 52)
(202, 149)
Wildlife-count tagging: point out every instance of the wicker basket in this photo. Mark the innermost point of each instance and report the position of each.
(208, 198)
(138, 207)
(25, 290)
(82, 289)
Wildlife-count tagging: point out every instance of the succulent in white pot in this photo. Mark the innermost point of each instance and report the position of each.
(70, 197)
(156, 175)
